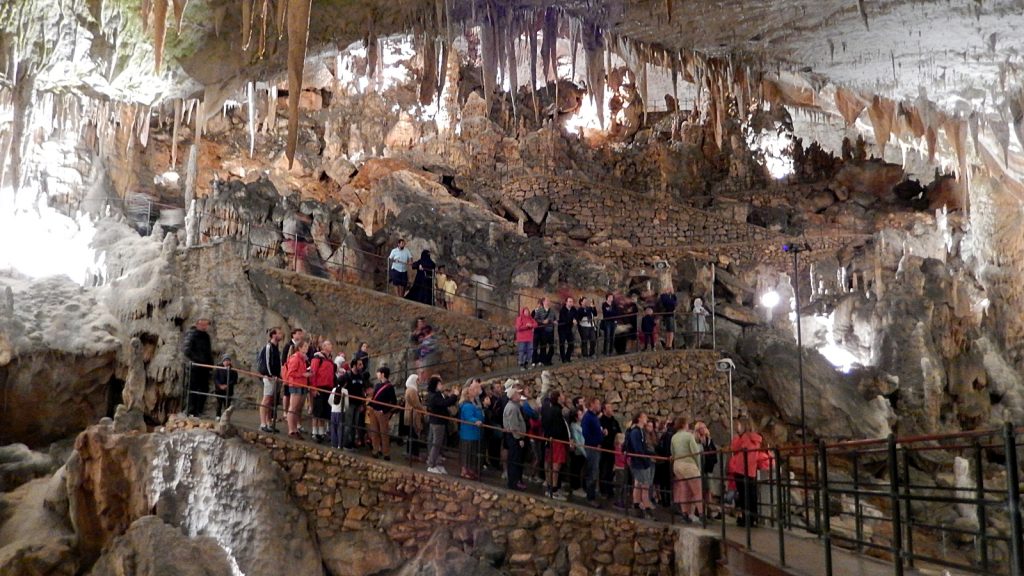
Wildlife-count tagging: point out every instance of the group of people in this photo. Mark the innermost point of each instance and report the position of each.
(431, 285)
(619, 323)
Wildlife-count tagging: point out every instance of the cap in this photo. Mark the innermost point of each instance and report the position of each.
(225, 357)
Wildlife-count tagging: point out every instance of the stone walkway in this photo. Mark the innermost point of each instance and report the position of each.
(804, 551)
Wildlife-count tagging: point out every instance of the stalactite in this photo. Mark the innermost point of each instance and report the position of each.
(264, 19)
(272, 109)
(881, 113)
(489, 59)
(513, 67)
(282, 16)
(179, 13)
(298, 33)
(428, 82)
(574, 46)
(593, 52)
(549, 45)
(175, 132)
(532, 41)
(146, 116)
(246, 24)
(250, 102)
(159, 30)
(442, 70)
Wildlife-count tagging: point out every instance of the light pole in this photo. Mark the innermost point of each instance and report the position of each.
(795, 250)
(728, 366)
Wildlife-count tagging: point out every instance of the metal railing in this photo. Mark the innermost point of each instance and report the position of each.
(873, 506)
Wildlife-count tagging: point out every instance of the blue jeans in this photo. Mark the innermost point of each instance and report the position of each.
(337, 429)
(591, 472)
(525, 350)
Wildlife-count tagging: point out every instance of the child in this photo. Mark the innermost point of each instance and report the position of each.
(647, 326)
(619, 471)
(339, 403)
(448, 289)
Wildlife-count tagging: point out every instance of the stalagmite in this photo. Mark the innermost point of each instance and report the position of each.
(191, 172)
(298, 33)
(272, 109)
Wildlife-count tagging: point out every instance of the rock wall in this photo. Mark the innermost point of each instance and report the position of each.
(350, 497)
(663, 384)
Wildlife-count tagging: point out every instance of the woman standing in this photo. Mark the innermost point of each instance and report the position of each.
(609, 313)
(413, 417)
(525, 325)
(686, 482)
(586, 320)
(640, 464)
(322, 380)
(747, 458)
(471, 415)
(422, 290)
(699, 322)
(296, 376)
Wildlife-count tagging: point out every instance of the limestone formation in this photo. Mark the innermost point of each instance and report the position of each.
(151, 547)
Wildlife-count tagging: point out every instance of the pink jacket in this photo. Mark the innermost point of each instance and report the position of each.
(524, 328)
(748, 463)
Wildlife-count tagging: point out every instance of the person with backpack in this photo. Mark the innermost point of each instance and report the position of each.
(322, 380)
(268, 364)
(338, 401)
(640, 464)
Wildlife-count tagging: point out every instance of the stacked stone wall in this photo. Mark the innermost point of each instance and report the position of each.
(663, 384)
(343, 493)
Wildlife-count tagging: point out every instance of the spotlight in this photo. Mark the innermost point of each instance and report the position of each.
(795, 248)
(770, 299)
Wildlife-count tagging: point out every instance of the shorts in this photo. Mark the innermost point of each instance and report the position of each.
(557, 453)
(397, 278)
(297, 390)
(643, 476)
(668, 322)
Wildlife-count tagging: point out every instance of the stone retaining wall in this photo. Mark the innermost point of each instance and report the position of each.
(664, 384)
(343, 494)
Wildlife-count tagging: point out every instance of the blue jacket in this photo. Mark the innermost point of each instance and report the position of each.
(635, 445)
(592, 434)
(472, 413)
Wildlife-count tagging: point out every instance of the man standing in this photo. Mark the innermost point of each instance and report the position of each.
(381, 407)
(198, 349)
(355, 384)
(224, 380)
(398, 268)
(438, 404)
(544, 346)
(610, 429)
(668, 302)
(515, 439)
(593, 435)
(268, 364)
(566, 330)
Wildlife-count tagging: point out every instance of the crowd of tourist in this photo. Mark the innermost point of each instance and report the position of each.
(568, 445)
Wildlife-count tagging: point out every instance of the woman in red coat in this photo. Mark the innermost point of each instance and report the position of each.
(525, 324)
(296, 376)
(748, 456)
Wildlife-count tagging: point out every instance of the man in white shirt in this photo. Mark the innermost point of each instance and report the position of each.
(398, 268)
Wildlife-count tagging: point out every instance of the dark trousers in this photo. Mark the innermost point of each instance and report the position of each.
(198, 387)
(225, 398)
(414, 443)
(608, 337)
(588, 342)
(746, 496)
(591, 472)
(607, 474)
(494, 440)
(337, 429)
(515, 461)
(566, 346)
(354, 427)
(544, 346)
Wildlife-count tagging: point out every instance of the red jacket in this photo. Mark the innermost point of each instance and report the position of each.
(323, 372)
(294, 372)
(524, 328)
(748, 463)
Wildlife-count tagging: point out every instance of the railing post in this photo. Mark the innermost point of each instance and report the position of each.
(979, 482)
(858, 520)
(1013, 500)
(816, 493)
(721, 490)
(747, 520)
(825, 521)
(894, 500)
(780, 507)
(909, 516)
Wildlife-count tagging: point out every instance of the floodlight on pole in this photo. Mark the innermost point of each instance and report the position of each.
(728, 366)
(770, 299)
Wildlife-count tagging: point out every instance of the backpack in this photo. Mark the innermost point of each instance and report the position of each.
(261, 361)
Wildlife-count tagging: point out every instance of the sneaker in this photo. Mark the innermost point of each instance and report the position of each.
(619, 506)
(265, 429)
(442, 469)
(558, 496)
(520, 486)
(435, 470)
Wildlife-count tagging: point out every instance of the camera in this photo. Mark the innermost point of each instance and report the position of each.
(725, 365)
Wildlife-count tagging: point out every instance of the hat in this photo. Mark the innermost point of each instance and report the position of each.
(225, 357)
(509, 385)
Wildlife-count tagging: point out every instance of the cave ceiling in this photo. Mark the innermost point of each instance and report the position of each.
(962, 59)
